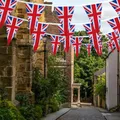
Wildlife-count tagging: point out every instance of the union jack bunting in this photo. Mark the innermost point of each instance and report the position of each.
(34, 12)
(114, 37)
(6, 7)
(111, 46)
(38, 33)
(89, 47)
(94, 37)
(56, 41)
(116, 5)
(94, 13)
(67, 31)
(76, 42)
(12, 25)
(65, 13)
(115, 24)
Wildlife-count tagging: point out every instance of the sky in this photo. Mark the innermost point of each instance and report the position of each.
(80, 15)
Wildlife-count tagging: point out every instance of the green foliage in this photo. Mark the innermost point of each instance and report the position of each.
(9, 112)
(50, 92)
(31, 112)
(3, 93)
(100, 87)
(23, 98)
(85, 66)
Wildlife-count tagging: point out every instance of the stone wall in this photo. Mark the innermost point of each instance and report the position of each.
(18, 59)
(7, 65)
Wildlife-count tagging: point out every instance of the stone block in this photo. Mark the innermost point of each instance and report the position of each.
(21, 67)
(3, 41)
(6, 81)
(27, 74)
(28, 67)
(3, 50)
(5, 60)
(3, 30)
(21, 15)
(9, 71)
(2, 71)
(23, 52)
(9, 93)
(9, 50)
(19, 36)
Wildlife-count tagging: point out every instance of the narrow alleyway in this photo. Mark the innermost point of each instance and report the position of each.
(84, 113)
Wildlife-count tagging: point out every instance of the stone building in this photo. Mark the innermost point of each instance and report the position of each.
(18, 59)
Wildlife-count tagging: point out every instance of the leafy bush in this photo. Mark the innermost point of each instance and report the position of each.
(52, 91)
(9, 112)
(23, 99)
(100, 87)
(53, 105)
(31, 112)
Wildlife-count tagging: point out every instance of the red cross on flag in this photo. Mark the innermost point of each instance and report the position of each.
(94, 13)
(116, 5)
(89, 47)
(76, 42)
(56, 41)
(34, 12)
(6, 7)
(115, 24)
(38, 34)
(111, 46)
(116, 38)
(12, 25)
(66, 29)
(94, 37)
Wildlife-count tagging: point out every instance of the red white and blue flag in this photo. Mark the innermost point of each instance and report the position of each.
(94, 13)
(6, 7)
(67, 32)
(66, 29)
(65, 13)
(34, 12)
(116, 5)
(89, 47)
(38, 34)
(114, 37)
(12, 25)
(56, 41)
(115, 24)
(76, 42)
(111, 46)
(94, 37)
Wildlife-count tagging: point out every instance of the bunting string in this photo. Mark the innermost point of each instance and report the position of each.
(55, 5)
(66, 27)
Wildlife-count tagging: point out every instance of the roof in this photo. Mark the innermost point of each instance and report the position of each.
(52, 18)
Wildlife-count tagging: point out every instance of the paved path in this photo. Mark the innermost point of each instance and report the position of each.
(54, 116)
(85, 113)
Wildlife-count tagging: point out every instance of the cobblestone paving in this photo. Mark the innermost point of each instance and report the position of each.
(85, 113)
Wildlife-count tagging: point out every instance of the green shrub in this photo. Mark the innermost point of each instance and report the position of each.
(53, 105)
(27, 112)
(9, 112)
(23, 98)
(100, 87)
(31, 112)
(38, 112)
